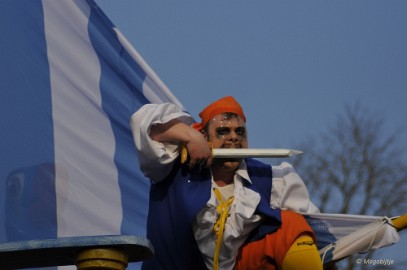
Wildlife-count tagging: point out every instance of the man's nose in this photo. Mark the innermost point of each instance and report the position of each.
(234, 136)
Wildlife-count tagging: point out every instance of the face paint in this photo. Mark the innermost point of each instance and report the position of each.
(223, 132)
(227, 131)
(227, 124)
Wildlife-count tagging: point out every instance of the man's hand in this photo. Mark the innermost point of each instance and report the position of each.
(199, 151)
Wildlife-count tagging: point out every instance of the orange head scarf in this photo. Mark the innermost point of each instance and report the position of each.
(224, 105)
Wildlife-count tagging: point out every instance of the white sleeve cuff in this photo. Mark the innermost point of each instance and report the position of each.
(155, 158)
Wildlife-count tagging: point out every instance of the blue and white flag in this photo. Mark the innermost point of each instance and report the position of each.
(69, 83)
(342, 235)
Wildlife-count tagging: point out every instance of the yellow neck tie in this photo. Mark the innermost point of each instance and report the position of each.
(223, 211)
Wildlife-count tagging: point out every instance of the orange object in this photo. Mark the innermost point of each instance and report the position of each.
(223, 105)
(269, 253)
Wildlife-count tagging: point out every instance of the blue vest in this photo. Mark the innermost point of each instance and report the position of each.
(174, 204)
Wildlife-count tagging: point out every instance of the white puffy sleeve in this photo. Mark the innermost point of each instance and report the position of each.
(289, 191)
(155, 158)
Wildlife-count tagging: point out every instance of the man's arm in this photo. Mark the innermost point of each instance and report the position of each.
(177, 131)
(158, 132)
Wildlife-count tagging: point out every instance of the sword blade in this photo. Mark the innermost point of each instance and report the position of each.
(253, 152)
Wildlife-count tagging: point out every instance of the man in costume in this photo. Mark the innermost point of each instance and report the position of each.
(219, 213)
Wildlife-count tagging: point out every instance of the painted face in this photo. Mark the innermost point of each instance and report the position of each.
(227, 130)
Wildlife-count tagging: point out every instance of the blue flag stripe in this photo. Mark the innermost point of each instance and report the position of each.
(121, 86)
(26, 147)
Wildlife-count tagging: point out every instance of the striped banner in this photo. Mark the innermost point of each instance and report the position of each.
(69, 83)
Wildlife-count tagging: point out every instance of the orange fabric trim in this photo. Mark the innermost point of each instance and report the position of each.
(268, 253)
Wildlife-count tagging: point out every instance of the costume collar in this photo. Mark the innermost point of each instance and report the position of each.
(242, 172)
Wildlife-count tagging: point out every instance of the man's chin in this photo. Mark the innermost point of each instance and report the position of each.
(231, 164)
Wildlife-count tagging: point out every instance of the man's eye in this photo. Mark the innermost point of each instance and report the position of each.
(240, 131)
(222, 131)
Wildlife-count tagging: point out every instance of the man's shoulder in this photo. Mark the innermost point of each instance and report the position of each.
(279, 171)
(256, 168)
(256, 163)
(283, 169)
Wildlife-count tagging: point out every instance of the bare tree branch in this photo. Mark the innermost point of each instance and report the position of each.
(355, 168)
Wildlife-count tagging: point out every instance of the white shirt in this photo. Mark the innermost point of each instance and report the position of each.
(241, 221)
(156, 159)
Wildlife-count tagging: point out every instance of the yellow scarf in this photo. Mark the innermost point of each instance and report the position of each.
(223, 210)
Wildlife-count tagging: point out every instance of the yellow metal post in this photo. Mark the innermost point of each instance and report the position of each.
(400, 222)
(102, 259)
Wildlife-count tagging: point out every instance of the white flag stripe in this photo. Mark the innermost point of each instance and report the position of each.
(154, 89)
(87, 185)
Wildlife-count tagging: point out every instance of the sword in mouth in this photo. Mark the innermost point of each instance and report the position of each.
(253, 152)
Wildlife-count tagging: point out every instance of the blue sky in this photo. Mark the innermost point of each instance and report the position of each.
(293, 65)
